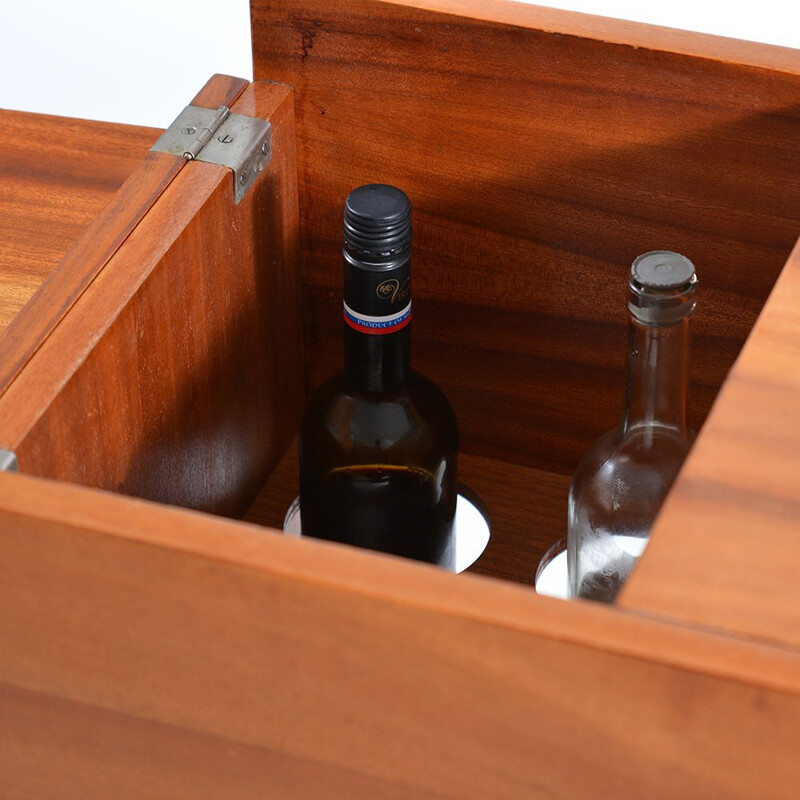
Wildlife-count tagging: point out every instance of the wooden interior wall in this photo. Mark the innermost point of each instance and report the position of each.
(542, 154)
(176, 374)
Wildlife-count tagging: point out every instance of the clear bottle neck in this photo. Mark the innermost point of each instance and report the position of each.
(657, 377)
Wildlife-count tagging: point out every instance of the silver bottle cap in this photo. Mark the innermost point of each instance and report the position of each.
(662, 288)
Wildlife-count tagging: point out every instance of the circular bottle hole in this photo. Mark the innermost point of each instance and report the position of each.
(471, 528)
(551, 574)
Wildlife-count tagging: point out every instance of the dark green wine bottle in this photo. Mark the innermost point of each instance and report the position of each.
(379, 442)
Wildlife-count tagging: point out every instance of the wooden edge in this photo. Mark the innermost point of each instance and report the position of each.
(220, 90)
(614, 31)
(398, 581)
(725, 550)
(79, 267)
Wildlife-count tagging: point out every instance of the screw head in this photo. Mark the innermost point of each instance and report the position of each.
(225, 138)
(189, 130)
(243, 178)
(265, 148)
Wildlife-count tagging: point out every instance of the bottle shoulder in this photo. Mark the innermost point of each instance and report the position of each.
(419, 393)
(417, 414)
(642, 461)
(424, 390)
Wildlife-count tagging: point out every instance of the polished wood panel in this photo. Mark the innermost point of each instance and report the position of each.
(56, 176)
(83, 262)
(616, 31)
(539, 166)
(76, 270)
(526, 509)
(159, 625)
(52, 749)
(176, 375)
(726, 549)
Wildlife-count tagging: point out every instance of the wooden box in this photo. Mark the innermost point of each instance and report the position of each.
(159, 339)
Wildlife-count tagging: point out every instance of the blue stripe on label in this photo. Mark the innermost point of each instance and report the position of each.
(377, 324)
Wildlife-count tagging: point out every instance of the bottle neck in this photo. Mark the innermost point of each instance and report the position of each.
(657, 378)
(377, 363)
(377, 316)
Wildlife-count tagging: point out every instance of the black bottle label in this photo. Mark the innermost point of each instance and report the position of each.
(377, 302)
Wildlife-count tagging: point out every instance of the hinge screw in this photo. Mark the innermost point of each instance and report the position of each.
(226, 138)
(265, 148)
(188, 131)
(243, 178)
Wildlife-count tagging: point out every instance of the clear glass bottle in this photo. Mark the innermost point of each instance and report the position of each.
(622, 480)
(378, 444)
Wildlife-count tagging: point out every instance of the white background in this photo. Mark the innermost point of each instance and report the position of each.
(141, 61)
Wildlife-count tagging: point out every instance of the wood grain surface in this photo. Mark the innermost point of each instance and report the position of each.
(176, 376)
(142, 641)
(52, 748)
(148, 177)
(726, 550)
(153, 651)
(539, 165)
(615, 31)
(56, 176)
(526, 509)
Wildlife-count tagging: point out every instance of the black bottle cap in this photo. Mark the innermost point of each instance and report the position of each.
(377, 221)
(662, 288)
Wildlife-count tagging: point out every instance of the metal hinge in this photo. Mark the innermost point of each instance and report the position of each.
(244, 144)
(8, 461)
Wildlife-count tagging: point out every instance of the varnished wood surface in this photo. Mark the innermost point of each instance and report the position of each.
(56, 176)
(617, 31)
(387, 678)
(539, 166)
(177, 638)
(726, 550)
(82, 262)
(52, 748)
(58, 292)
(176, 374)
(526, 509)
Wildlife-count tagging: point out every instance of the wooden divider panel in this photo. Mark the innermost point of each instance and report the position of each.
(182, 641)
(542, 152)
(176, 375)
